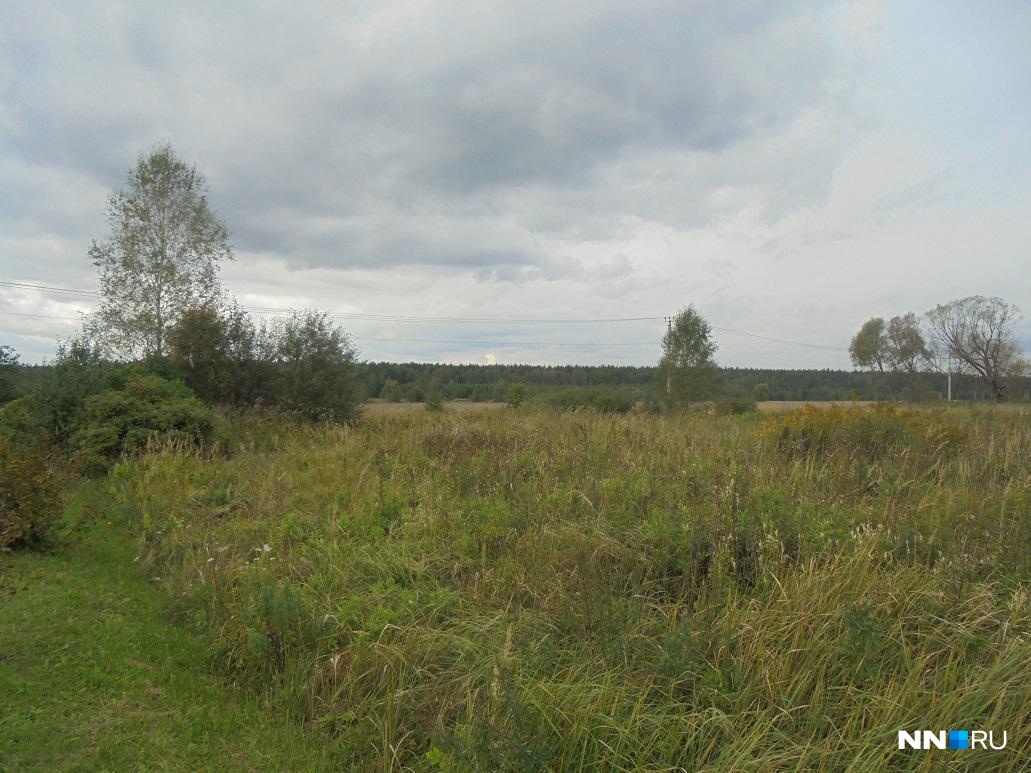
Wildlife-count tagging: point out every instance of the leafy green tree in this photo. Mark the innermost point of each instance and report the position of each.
(433, 401)
(78, 372)
(869, 347)
(313, 367)
(869, 350)
(687, 366)
(761, 392)
(905, 347)
(161, 257)
(516, 395)
(907, 351)
(391, 391)
(198, 352)
(221, 355)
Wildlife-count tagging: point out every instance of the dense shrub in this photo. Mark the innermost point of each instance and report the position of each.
(732, 406)
(28, 495)
(305, 364)
(314, 368)
(603, 400)
(516, 395)
(8, 368)
(391, 391)
(79, 371)
(137, 411)
(221, 356)
(96, 410)
(19, 424)
(433, 403)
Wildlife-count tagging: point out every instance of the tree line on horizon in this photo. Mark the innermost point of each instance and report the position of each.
(971, 336)
(162, 304)
(412, 381)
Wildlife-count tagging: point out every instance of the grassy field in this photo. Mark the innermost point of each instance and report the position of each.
(377, 408)
(522, 590)
(95, 676)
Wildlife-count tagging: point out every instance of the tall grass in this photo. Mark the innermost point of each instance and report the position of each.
(526, 591)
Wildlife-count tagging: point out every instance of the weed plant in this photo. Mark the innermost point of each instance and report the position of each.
(522, 590)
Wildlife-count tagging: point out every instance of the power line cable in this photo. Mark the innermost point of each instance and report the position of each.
(38, 316)
(504, 343)
(47, 288)
(475, 342)
(450, 320)
(778, 340)
(418, 319)
(370, 316)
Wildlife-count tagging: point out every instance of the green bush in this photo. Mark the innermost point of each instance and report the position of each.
(80, 371)
(597, 399)
(313, 372)
(222, 356)
(305, 364)
(142, 409)
(8, 370)
(97, 410)
(28, 495)
(516, 395)
(19, 423)
(733, 406)
(391, 392)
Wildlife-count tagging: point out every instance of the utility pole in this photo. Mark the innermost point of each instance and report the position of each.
(669, 363)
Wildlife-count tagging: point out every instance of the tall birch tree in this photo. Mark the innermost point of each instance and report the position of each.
(161, 258)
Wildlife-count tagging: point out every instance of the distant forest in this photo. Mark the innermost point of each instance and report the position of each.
(413, 381)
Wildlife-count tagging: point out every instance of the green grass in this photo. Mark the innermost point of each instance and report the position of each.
(532, 590)
(526, 590)
(95, 676)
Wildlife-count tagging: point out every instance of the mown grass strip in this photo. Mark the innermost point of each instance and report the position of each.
(95, 676)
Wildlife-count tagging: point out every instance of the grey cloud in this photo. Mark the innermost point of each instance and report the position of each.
(389, 238)
(514, 119)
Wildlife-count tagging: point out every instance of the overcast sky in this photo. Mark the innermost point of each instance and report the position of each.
(791, 169)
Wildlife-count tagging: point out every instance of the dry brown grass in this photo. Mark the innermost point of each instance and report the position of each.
(378, 408)
(778, 406)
